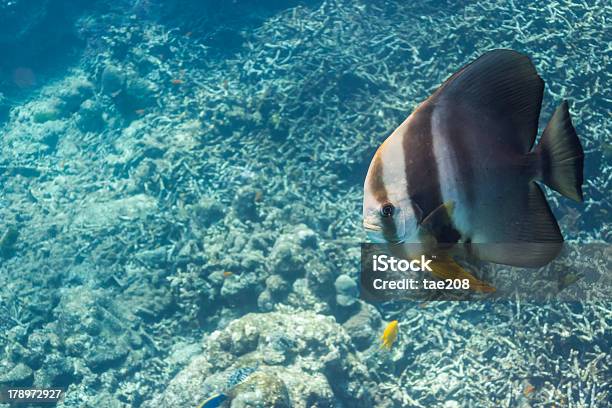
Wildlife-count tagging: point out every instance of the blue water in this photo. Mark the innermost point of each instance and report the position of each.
(167, 169)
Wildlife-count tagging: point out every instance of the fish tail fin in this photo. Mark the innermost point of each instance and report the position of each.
(561, 156)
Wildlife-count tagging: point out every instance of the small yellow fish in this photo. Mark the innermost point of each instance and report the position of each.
(389, 335)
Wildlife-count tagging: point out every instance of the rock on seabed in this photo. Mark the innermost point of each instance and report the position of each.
(318, 365)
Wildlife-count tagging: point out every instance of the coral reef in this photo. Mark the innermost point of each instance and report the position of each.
(163, 190)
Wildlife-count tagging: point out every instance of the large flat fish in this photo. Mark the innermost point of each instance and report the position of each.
(462, 168)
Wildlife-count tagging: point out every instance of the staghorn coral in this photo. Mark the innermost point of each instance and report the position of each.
(136, 200)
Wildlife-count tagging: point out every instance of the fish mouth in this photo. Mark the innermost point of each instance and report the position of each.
(376, 235)
(371, 227)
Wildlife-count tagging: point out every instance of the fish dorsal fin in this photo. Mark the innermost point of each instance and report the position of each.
(503, 84)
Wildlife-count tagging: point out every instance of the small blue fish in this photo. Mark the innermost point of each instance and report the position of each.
(214, 401)
(237, 377)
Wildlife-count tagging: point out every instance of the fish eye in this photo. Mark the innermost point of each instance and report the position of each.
(387, 210)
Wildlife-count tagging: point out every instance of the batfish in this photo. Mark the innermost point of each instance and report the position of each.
(462, 168)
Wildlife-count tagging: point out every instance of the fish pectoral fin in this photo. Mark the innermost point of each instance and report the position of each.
(439, 216)
(444, 267)
(438, 224)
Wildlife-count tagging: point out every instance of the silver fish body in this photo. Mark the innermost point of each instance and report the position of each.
(471, 144)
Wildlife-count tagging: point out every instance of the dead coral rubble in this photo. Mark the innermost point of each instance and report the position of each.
(126, 182)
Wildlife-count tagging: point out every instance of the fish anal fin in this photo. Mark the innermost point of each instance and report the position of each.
(444, 267)
(531, 237)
